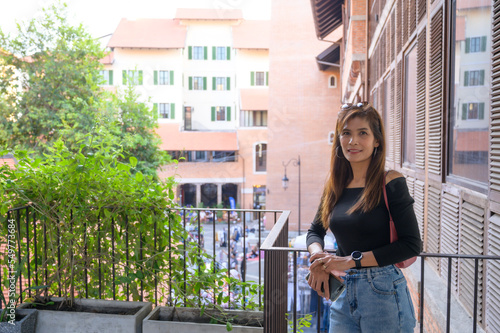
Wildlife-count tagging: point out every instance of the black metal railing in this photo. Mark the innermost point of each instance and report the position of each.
(123, 238)
(279, 319)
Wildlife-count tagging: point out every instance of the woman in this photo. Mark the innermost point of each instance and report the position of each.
(353, 207)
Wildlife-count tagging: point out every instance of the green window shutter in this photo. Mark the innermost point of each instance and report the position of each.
(155, 78)
(467, 45)
(228, 53)
(228, 83)
(481, 111)
(140, 78)
(267, 78)
(124, 78)
(483, 44)
(228, 116)
(111, 77)
(172, 110)
(190, 83)
(464, 111)
(214, 83)
(481, 77)
(466, 79)
(155, 108)
(190, 52)
(205, 52)
(213, 52)
(171, 78)
(213, 113)
(204, 83)
(252, 78)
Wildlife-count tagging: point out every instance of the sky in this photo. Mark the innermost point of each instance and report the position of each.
(101, 17)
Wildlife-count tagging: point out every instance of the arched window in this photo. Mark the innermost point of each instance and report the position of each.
(332, 81)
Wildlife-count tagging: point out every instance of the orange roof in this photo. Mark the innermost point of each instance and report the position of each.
(208, 14)
(254, 99)
(149, 34)
(173, 139)
(252, 35)
(472, 140)
(108, 59)
(9, 160)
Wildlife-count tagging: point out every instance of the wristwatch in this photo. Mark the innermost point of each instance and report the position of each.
(357, 256)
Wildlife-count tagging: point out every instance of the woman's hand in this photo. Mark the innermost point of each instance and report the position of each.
(318, 278)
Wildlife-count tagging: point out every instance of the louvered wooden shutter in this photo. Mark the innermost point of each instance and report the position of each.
(205, 51)
(190, 52)
(172, 110)
(213, 53)
(228, 113)
(397, 113)
(495, 106)
(471, 242)
(111, 77)
(171, 78)
(140, 77)
(436, 93)
(493, 299)
(421, 9)
(434, 223)
(252, 78)
(483, 44)
(213, 113)
(405, 20)
(228, 53)
(418, 206)
(399, 24)
(420, 116)
(214, 83)
(190, 87)
(204, 83)
(393, 34)
(155, 78)
(382, 55)
(413, 16)
(450, 206)
(387, 46)
(228, 83)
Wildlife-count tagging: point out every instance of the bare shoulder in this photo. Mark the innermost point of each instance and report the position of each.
(391, 175)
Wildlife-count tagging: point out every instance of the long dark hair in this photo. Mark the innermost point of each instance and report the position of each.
(340, 169)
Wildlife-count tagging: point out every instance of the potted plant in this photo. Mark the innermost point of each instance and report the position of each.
(97, 216)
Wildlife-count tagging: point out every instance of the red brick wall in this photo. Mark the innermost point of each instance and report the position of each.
(302, 110)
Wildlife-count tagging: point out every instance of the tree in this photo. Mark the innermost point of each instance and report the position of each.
(55, 67)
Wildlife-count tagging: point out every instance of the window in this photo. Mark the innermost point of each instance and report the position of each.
(253, 118)
(198, 83)
(200, 156)
(198, 53)
(259, 78)
(332, 81)
(260, 157)
(224, 156)
(164, 78)
(221, 112)
(107, 77)
(475, 44)
(474, 78)
(410, 106)
(221, 83)
(220, 53)
(164, 111)
(134, 77)
(472, 111)
(468, 130)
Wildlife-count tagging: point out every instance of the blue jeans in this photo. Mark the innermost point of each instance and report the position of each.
(376, 300)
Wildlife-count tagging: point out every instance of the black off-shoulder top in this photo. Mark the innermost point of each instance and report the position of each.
(370, 231)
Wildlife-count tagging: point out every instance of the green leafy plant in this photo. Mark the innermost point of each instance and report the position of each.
(304, 321)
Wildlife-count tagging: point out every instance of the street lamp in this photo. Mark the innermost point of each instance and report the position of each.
(284, 181)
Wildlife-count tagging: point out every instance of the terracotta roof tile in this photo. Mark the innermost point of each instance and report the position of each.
(149, 33)
(108, 59)
(172, 139)
(208, 14)
(254, 99)
(252, 35)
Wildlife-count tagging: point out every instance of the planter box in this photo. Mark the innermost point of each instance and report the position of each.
(95, 315)
(188, 320)
(25, 324)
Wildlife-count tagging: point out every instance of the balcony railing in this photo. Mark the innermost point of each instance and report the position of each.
(277, 292)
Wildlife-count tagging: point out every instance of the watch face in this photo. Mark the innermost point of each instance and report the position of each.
(356, 255)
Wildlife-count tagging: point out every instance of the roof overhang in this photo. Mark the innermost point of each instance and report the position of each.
(254, 99)
(327, 16)
(173, 139)
(329, 58)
